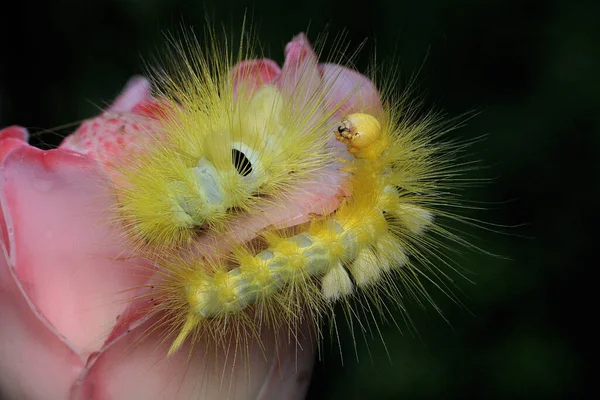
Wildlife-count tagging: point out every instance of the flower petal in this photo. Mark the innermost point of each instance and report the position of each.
(300, 77)
(115, 134)
(290, 374)
(136, 367)
(11, 137)
(252, 74)
(14, 132)
(110, 137)
(136, 91)
(35, 363)
(63, 250)
(350, 89)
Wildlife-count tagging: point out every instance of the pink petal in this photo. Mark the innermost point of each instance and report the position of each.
(14, 132)
(136, 367)
(252, 74)
(63, 251)
(299, 77)
(136, 91)
(290, 373)
(115, 134)
(6, 145)
(152, 109)
(110, 137)
(350, 89)
(139, 309)
(35, 363)
(10, 138)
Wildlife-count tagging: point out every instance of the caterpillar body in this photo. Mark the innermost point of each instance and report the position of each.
(265, 196)
(326, 259)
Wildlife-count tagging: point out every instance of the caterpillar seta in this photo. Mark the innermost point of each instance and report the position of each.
(264, 196)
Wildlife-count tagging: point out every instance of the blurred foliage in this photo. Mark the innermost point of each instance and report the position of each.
(528, 67)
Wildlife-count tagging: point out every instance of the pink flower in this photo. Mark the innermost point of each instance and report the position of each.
(68, 330)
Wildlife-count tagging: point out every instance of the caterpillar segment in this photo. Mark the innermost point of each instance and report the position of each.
(318, 263)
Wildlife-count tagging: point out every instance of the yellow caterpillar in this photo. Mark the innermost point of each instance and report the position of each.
(265, 203)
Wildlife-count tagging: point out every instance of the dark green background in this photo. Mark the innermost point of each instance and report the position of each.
(529, 67)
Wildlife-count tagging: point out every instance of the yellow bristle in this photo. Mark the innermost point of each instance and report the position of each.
(225, 153)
